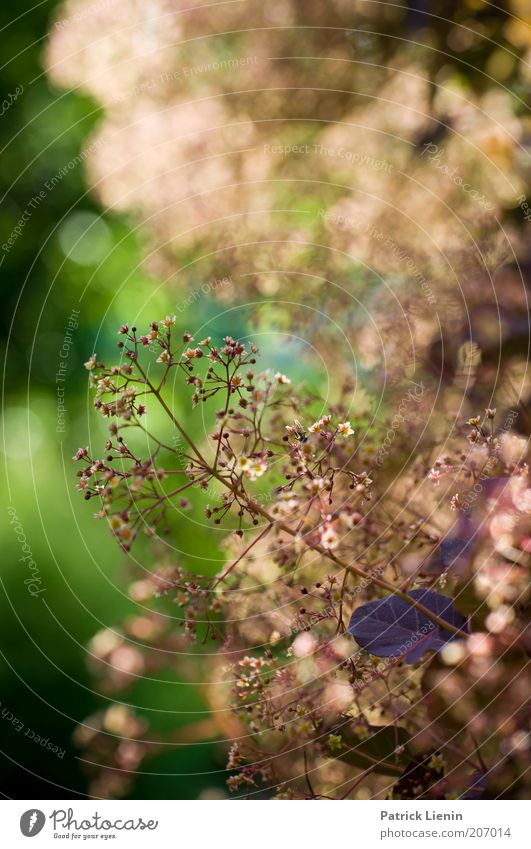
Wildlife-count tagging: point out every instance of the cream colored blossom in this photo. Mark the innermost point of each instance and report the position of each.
(256, 469)
(344, 429)
(329, 538)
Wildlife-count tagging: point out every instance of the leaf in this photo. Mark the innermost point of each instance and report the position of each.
(378, 750)
(459, 544)
(392, 628)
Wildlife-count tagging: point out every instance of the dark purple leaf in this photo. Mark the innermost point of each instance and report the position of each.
(497, 487)
(392, 628)
(459, 544)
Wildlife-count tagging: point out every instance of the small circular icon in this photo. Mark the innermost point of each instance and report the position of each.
(31, 822)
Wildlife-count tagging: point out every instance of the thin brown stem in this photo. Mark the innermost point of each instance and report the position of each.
(242, 555)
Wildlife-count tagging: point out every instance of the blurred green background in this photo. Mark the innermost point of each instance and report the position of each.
(44, 683)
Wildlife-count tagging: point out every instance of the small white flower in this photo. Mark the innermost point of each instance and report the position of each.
(105, 385)
(169, 321)
(256, 469)
(281, 378)
(193, 353)
(316, 485)
(164, 357)
(345, 429)
(316, 427)
(329, 538)
(243, 464)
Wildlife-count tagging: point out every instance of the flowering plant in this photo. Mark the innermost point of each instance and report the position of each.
(334, 642)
